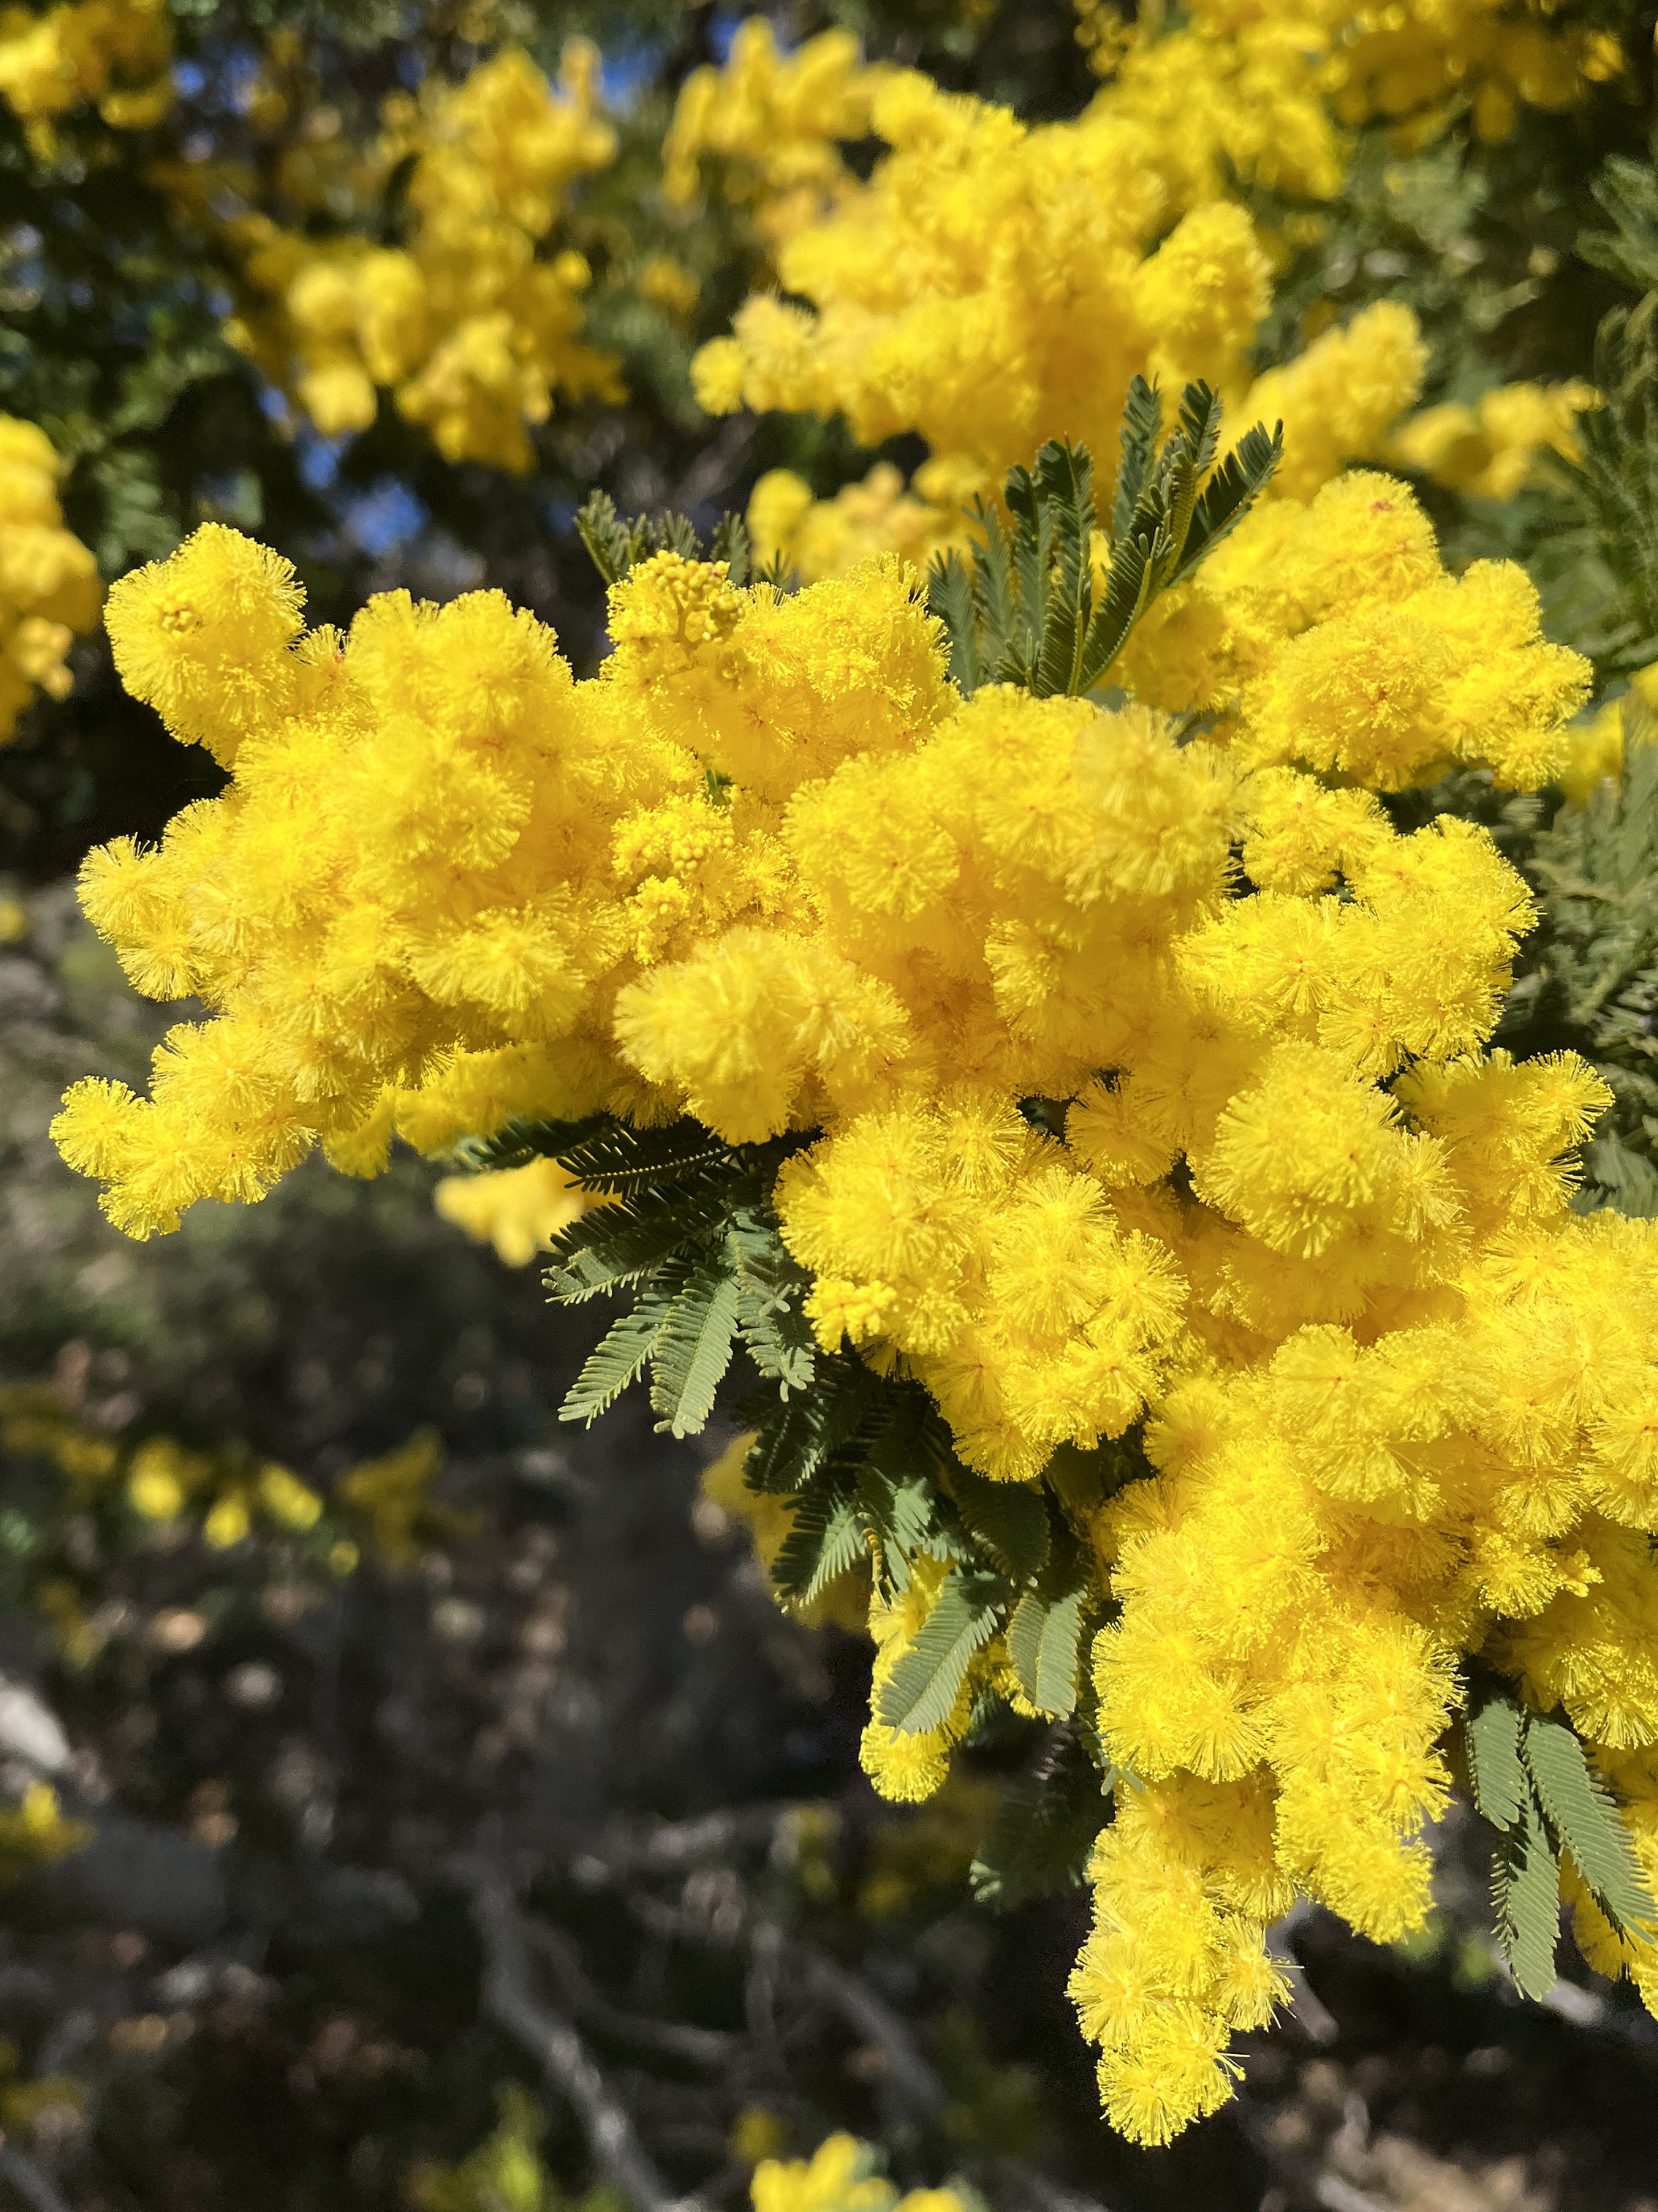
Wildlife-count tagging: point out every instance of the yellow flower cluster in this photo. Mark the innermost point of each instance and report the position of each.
(34, 1832)
(1419, 64)
(825, 538)
(1330, 636)
(1232, 94)
(518, 1210)
(49, 586)
(226, 1495)
(1492, 448)
(840, 2176)
(772, 124)
(521, 894)
(1267, 87)
(471, 330)
(1598, 747)
(1330, 1528)
(770, 869)
(117, 54)
(994, 284)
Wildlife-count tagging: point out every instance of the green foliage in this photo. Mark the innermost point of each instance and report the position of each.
(1584, 1818)
(1603, 523)
(1044, 1641)
(692, 1347)
(826, 1539)
(687, 1229)
(1525, 1896)
(1491, 1740)
(1006, 1519)
(1039, 1843)
(614, 546)
(1532, 1781)
(1591, 978)
(1617, 481)
(927, 1681)
(1023, 610)
(1628, 192)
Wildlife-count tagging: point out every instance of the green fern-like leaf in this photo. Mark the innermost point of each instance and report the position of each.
(1586, 1823)
(1613, 487)
(799, 1437)
(1200, 416)
(1007, 1521)
(731, 544)
(694, 1347)
(1046, 1828)
(615, 1362)
(1031, 547)
(614, 1246)
(616, 1157)
(1138, 436)
(897, 1515)
(1628, 191)
(772, 1293)
(1616, 1175)
(992, 590)
(1044, 1641)
(1591, 979)
(520, 1142)
(612, 546)
(950, 597)
(1526, 1892)
(1229, 494)
(1128, 591)
(676, 533)
(922, 1688)
(777, 1338)
(824, 1540)
(1491, 1734)
(1064, 479)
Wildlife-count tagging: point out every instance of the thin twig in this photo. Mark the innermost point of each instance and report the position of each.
(1041, 2191)
(31, 2185)
(678, 1843)
(1299, 2169)
(1313, 2017)
(717, 466)
(698, 2046)
(850, 1995)
(565, 2059)
(760, 1985)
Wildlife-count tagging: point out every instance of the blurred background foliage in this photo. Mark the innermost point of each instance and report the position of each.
(376, 1752)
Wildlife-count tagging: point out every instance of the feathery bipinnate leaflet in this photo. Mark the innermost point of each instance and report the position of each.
(686, 1233)
(1023, 610)
(1531, 1782)
(686, 1229)
(614, 546)
(1591, 979)
(1039, 1842)
(1613, 489)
